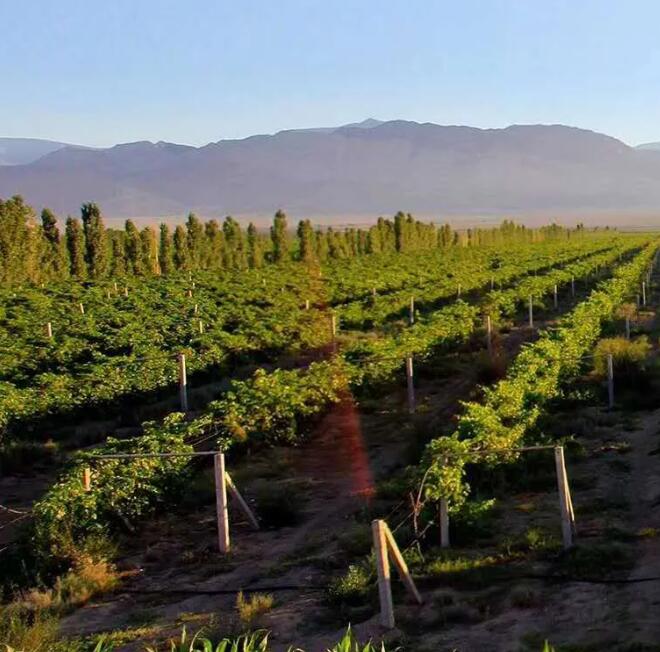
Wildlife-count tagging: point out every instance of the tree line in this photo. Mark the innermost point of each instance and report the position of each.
(37, 251)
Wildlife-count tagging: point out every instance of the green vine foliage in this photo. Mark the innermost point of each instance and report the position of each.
(509, 409)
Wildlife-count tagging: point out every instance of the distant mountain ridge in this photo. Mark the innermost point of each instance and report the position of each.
(369, 168)
(19, 151)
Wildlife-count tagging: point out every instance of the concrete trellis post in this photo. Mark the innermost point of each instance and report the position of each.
(565, 502)
(555, 298)
(643, 293)
(610, 381)
(183, 383)
(196, 309)
(412, 311)
(444, 523)
(201, 327)
(87, 479)
(306, 304)
(333, 326)
(489, 335)
(49, 331)
(531, 312)
(384, 576)
(410, 384)
(222, 512)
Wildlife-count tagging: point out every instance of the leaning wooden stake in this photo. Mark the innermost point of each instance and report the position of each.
(183, 383)
(610, 381)
(401, 565)
(221, 502)
(410, 384)
(383, 571)
(565, 502)
(236, 495)
(444, 523)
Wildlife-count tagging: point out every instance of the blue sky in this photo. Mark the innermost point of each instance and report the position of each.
(101, 72)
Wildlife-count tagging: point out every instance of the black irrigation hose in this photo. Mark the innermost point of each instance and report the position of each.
(253, 589)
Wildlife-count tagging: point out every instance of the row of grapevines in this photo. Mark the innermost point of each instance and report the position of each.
(513, 405)
(473, 274)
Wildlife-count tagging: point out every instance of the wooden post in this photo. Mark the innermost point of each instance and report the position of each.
(627, 327)
(564, 498)
(556, 301)
(87, 479)
(333, 326)
(306, 304)
(196, 309)
(383, 570)
(572, 286)
(82, 308)
(221, 502)
(183, 383)
(412, 310)
(444, 524)
(610, 381)
(643, 293)
(241, 502)
(49, 331)
(410, 384)
(201, 327)
(400, 564)
(531, 312)
(489, 335)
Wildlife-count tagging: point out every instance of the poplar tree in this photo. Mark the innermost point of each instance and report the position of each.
(96, 251)
(181, 260)
(53, 258)
(214, 245)
(195, 240)
(165, 252)
(306, 241)
(75, 246)
(278, 234)
(17, 242)
(133, 248)
(149, 251)
(255, 252)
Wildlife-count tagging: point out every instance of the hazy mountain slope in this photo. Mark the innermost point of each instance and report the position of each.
(423, 168)
(19, 151)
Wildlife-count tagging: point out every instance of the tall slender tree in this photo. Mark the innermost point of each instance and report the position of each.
(279, 236)
(75, 246)
(133, 248)
(96, 250)
(165, 250)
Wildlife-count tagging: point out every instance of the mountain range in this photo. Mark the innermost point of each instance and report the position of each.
(358, 170)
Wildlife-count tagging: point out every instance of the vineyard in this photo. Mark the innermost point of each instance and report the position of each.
(483, 408)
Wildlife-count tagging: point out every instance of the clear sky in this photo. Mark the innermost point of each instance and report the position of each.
(98, 72)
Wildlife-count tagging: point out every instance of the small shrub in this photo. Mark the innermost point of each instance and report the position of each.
(251, 608)
(628, 357)
(353, 588)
